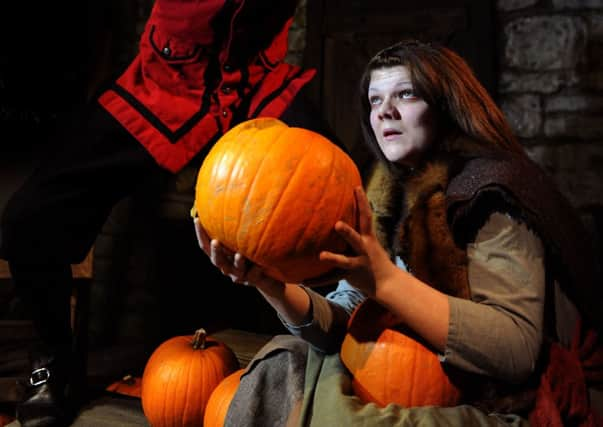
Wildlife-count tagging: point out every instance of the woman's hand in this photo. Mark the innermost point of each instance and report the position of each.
(290, 300)
(233, 264)
(371, 267)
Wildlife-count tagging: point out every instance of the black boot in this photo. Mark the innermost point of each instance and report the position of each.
(48, 400)
(49, 396)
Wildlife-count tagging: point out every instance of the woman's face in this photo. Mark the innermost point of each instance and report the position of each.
(404, 124)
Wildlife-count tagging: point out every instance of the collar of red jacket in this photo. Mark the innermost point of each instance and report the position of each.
(202, 67)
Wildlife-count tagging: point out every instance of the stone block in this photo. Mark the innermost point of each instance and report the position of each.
(595, 26)
(573, 103)
(574, 125)
(297, 40)
(540, 43)
(300, 18)
(294, 58)
(577, 169)
(544, 82)
(509, 5)
(577, 4)
(524, 114)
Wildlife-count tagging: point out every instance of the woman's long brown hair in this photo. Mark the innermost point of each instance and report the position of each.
(446, 82)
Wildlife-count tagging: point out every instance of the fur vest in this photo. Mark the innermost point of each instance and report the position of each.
(428, 216)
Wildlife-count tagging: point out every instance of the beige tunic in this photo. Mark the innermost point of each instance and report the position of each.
(499, 331)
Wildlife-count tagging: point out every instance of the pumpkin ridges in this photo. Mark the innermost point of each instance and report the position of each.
(243, 229)
(272, 191)
(193, 395)
(220, 400)
(318, 215)
(216, 196)
(318, 229)
(283, 185)
(225, 159)
(415, 376)
(255, 148)
(289, 202)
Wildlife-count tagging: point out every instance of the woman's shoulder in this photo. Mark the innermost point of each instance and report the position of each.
(509, 183)
(514, 185)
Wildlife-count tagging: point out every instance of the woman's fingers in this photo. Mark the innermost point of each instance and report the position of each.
(351, 236)
(202, 237)
(239, 261)
(220, 256)
(339, 261)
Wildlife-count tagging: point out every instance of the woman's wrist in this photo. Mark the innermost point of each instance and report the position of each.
(291, 301)
(271, 288)
(390, 286)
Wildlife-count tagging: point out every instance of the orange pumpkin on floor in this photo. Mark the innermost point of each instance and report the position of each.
(219, 401)
(180, 376)
(128, 385)
(273, 193)
(390, 366)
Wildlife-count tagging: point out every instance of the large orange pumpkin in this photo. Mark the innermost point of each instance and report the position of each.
(180, 376)
(219, 401)
(273, 193)
(390, 366)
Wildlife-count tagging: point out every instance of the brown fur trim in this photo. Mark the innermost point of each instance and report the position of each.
(433, 256)
(384, 195)
(412, 223)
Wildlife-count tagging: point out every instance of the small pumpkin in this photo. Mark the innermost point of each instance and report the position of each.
(389, 365)
(273, 193)
(219, 401)
(180, 376)
(128, 385)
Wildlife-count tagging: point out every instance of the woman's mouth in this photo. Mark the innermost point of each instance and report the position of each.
(391, 133)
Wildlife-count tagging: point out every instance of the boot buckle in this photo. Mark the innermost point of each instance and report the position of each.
(39, 377)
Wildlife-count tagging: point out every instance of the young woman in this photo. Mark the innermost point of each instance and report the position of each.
(460, 236)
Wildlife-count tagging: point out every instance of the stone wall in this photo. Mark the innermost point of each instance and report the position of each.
(551, 89)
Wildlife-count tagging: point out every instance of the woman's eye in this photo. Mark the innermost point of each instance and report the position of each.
(406, 94)
(374, 100)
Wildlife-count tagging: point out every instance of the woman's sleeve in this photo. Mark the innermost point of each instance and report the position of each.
(330, 315)
(499, 331)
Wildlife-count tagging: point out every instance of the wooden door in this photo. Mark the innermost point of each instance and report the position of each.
(342, 35)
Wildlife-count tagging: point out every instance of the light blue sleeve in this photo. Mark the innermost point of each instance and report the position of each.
(348, 296)
(330, 315)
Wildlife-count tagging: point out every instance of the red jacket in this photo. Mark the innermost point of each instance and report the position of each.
(203, 66)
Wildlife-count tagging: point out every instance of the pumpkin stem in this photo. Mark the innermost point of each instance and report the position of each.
(199, 339)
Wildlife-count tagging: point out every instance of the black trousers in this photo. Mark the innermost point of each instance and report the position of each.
(54, 218)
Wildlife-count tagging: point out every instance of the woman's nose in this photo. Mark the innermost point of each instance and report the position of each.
(388, 110)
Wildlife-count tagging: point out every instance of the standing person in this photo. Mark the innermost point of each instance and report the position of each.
(202, 67)
(506, 291)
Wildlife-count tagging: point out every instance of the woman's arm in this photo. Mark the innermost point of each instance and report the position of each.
(505, 312)
(416, 304)
(499, 331)
(319, 320)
